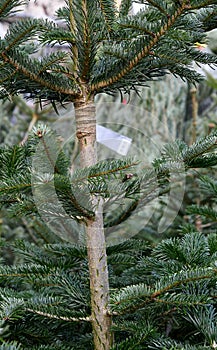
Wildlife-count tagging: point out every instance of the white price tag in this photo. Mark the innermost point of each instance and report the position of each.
(113, 140)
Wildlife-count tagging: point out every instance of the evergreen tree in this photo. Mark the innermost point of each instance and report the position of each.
(108, 51)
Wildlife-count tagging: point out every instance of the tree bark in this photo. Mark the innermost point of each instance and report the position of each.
(85, 114)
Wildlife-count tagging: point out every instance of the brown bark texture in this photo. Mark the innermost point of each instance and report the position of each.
(85, 114)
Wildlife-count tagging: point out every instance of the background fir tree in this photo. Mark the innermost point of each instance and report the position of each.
(109, 51)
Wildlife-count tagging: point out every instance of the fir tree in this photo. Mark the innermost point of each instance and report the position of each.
(108, 51)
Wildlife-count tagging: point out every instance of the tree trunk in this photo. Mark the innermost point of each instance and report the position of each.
(85, 114)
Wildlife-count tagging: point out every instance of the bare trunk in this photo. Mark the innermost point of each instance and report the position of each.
(99, 286)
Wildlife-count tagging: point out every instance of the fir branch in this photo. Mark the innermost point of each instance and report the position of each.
(132, 298)
(86, 38)
(48, 153)
(144, 52)
(109, 12)
(20, 31)
(162, 343)
(135, 26)
(159, 5)
(208, 185)
(44, 83)
(131, 245)
(9, 7)
(103, 169)
(199, 148)
(201, 4)
(125, 8)
(119, 217)
(26, 270)
(73, 30)
(51, 62)
(14, 186)
(74, 199)
(57, 317)
(58, 36)
(207, 212)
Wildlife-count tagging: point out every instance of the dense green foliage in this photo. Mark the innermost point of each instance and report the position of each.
(161, 297)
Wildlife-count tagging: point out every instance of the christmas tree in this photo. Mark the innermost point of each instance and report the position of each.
(105, 50)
